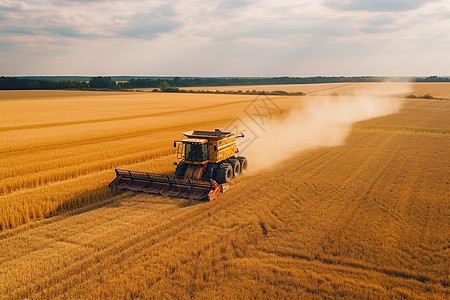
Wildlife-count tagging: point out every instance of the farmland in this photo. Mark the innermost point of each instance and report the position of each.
(439, 90)
(368, 218)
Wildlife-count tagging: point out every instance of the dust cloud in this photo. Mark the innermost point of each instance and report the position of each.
(325, 121)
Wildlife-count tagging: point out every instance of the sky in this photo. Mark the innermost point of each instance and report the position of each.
(225, 37)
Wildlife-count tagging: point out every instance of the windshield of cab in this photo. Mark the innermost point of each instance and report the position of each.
(196, 152)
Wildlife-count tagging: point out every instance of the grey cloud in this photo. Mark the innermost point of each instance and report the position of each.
(10, 5)
(286, 26)
(66, 31)
(149, 23)
(48, 30)
(148, 29)
(233, 36)
(376, 5)
(6, 46)
(19, 31)
(233, 4)
(65, 2)
(380, 24)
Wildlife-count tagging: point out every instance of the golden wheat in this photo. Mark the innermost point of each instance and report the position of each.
(435, 89)
(368, 219)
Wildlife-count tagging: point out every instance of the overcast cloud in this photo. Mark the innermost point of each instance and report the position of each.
(224, 38)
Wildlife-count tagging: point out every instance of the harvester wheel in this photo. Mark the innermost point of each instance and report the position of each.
(224, 173)
(181, 169)
(243, 162)
(236, 166)
(208, 173)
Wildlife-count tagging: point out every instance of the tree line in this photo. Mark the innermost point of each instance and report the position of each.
(166, 88)
(105, 82)
(233, 81)
(13, 83)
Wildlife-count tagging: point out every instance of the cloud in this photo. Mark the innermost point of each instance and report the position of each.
(227, 37)
(76, 2)
(18, 31)
(89, 19)
(148, 23)
(66, 31)
(9, 5)
(376, 5)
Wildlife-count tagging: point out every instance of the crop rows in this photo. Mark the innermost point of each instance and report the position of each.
(367, 219)
(54, 168)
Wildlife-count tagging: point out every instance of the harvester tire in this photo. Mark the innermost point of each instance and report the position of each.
(181, 169)
(208, 173)
(243, 162)
(236, 166)
(224, 173)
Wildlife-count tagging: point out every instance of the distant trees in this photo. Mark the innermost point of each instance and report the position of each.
(229, 92)
(13, 83)
(178, 82)
(433, 79)
(169, 84)
(101, 82)
(163, 86)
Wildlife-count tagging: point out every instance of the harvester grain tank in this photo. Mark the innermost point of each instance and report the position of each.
(208, 162)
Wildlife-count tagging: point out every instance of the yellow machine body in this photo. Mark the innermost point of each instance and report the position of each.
(221, 145)
(207, 163)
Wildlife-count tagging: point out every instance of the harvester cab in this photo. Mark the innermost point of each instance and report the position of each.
(192, 150)
(208, 163)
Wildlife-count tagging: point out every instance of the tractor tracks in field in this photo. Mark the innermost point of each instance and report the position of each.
(357, 202)
(152, 239)
(116, 251)
(347, 215)
(124, 249)
(310, 167)
(336, 262)
(270, 214)
(371, 182)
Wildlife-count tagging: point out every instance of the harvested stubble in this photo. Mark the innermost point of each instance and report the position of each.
(368, 219)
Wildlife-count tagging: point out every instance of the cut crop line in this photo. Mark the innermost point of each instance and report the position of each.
(129, 247)
(331, 88)
(132, 246)
(166, 113)
(101, 139)
(44, 177)
(362, 196)
(369, 160)
(133, 253)
(354, 264)
(59, 216)
(403, 129)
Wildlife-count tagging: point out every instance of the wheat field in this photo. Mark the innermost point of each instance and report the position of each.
(365, 219)
(436, 89)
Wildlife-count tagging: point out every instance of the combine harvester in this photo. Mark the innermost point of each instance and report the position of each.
(208, 163)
